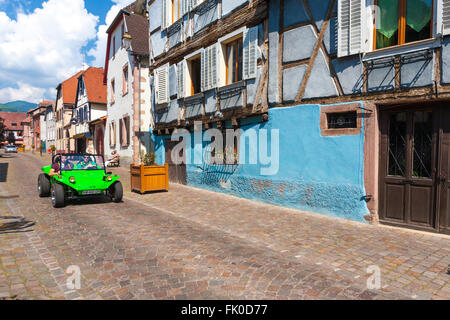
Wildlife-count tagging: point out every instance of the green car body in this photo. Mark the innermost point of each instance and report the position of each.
(78, 178)
(85, 180)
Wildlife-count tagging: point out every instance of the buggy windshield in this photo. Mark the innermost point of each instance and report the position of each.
(81, 162)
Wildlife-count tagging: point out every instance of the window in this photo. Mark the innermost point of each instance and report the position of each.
(114, 46)
(124, 131)
(195, 75)
(86, 113)
(81, 87)
(341, 120)
(14, 124)
(112, 133)
(238, 56)
(173, 10)
(125, 80)
(224, 154)
(176, 10)
(233, 61)
(401, 21)
(113, 91)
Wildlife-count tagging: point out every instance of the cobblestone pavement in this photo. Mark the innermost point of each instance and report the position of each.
(195, 244)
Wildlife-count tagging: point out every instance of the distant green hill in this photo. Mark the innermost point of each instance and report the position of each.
(4, 108)
(17, 106)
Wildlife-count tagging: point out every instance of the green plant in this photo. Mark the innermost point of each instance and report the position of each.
(148, 159)
(52, 148)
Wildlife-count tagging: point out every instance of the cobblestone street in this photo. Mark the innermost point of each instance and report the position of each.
(195, 244)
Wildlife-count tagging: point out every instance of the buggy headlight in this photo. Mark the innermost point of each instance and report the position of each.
(72, 179)
(109, 178)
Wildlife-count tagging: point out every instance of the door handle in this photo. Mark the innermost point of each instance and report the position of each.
(442, 178)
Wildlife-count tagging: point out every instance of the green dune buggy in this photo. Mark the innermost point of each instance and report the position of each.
(78, 176)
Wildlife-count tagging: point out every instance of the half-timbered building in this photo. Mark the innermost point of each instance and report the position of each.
(351, 96)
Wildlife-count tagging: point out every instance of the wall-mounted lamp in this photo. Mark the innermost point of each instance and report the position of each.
(127, 41)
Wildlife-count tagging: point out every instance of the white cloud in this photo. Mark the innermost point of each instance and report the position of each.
(40, 49)
(26, 92)
(99, 50)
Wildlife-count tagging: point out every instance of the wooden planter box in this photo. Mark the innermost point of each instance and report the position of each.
(149, 178)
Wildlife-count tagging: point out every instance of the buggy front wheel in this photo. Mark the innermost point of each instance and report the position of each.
(116, 191)
(58, 197)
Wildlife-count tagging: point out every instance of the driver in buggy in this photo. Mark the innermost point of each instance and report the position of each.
(55, 170)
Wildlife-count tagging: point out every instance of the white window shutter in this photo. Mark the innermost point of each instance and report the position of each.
(350, 20)
(446, 17)
(356, 21)
(204, 68)
(250, 53)
(245, 54)
(162, 85)
(181, 79)
(343, 27)
(194, 3)
(186, 6)
(214, 67)
(164, 20)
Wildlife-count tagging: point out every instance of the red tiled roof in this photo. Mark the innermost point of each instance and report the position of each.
(69, 89)
(13, 117)
(46, 103)
(93, 80)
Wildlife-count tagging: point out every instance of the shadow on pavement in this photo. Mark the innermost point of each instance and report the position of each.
(90, 201)
(20, 225)
(3, 171)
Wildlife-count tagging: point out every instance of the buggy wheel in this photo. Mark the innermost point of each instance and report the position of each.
(117, 191)
(58, 196)
(43, 186)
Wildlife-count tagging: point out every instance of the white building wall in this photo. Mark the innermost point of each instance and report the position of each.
(123, 104)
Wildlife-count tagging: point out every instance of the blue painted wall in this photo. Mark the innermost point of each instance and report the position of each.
(320, 174)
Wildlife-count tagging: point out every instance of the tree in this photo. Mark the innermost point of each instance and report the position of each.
(11, 138)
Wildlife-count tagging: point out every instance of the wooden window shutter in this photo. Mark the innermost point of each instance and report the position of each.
(181, 79)
(350, 19)
(210, 67)
(164, 14)
(162, 84)
(214, 67)
(250, 53)
(195, 3)
(204, 68)
(120, 132)
(114, 134)
(127, 130)
(186, 5)
(445, 17)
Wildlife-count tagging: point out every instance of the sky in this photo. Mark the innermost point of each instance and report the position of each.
(42, 43)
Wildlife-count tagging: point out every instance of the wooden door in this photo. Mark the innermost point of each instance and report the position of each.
(444, 172)
(100, 142)
(408, 184)
(176, 163)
